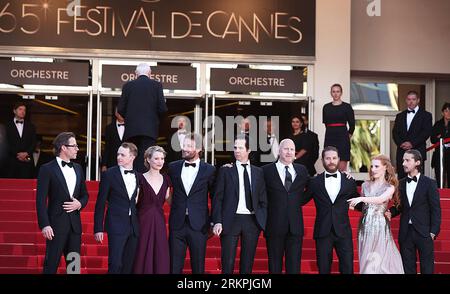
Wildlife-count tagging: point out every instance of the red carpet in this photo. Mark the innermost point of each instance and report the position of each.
(22, 245)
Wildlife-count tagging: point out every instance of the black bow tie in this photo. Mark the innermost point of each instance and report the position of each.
(69, 164)
(120, 125)
(411, 179)
(331, 175)
(187, 164)
(411, 111)
(19, 121)
(129, 171)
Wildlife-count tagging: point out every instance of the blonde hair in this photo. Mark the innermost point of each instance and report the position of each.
(389, 176)
(150, 152)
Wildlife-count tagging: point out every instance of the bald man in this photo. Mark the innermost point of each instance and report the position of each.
(285, 185)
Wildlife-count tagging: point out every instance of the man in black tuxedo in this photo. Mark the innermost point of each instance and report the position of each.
(330, 191)
(239, 208)
(411, 130)
(119, 186)
(141, 104)
(285, 184)
(21, 138)
(61, 184)
(420, 219)
(113, 139)
(189, 223)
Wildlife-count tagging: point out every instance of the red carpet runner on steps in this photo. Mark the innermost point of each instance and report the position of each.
(22, 245)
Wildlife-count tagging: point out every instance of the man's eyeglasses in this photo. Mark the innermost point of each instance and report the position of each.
(73, 146)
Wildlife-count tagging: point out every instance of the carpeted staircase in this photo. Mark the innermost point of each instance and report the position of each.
(22, 246)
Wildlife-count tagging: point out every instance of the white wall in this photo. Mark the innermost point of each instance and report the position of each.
(332, 55)
(408, 36)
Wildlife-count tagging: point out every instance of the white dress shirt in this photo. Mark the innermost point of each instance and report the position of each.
(69, 175)
(333, 185)
(120, 130)
(281, 168)
(130, 183)
(410, 116)
(242, 207)
(410, 190)
(181, 135)
(188, 175)
(19, 127)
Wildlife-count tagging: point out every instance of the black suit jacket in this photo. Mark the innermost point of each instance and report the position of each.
(332, 215)
(418, 133)
(141, 104)
(284, 208)
(52, 188)
(226, 197)
(112, 144)
(113, 190)
(425, 210)
(26, 143)
(197, 200)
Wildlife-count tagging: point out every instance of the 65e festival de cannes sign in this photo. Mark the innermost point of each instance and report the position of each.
(265, 27)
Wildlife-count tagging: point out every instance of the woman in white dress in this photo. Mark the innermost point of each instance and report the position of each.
(378, 253)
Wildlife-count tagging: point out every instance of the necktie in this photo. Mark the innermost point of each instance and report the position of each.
(331, 175)
(411, 111)
(19, 121)
(287, 179)
(69, 164)
(129, 171)
(411, 179)
(120, 125)
(187, 164)
(247, 188)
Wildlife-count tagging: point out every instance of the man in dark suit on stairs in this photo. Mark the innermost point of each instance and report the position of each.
(330, 191)
(420, 219)
(239, 208)
(61, 194)
(141, 105)
(21, 138)
(119, 186)
(189, 220)
(113, 139)
(412, 128)
(285, 185)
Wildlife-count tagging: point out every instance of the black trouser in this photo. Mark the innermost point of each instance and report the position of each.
(179, 241)
(344, 251)
(289, 246)
(437, 170)
(244, 226)
(142, 143)
(62, 243)
(121, 252)
(408, 249)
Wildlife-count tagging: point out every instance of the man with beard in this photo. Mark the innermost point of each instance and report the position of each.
(189, 224)
(330, 191)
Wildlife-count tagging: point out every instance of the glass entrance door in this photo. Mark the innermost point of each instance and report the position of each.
(53, 113)
(179, 119)
(258, 118)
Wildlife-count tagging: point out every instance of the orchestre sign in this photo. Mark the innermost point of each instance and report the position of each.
(171, 77)
(44, 73)
(268, 27)
(251, 80)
